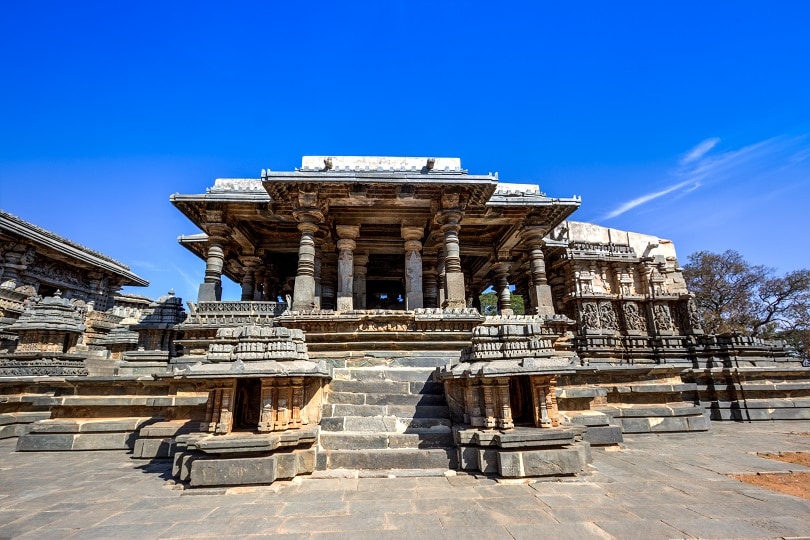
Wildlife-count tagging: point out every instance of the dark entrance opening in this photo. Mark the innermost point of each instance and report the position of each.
(247, 404)
(520, 399)
(385, 287)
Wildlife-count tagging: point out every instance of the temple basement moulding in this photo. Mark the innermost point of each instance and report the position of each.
(357, 341)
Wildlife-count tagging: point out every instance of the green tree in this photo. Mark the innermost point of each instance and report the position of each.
(489, 304)
(734, 296)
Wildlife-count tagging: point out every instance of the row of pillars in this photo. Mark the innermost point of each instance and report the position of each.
(540, 297)
(447, 291)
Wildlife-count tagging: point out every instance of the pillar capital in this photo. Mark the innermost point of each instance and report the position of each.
(347, 231)
(250, 261)
(346, 244)
(217, 232)
(534, 234)
(412, 232)
(450, 218)
(307, 227)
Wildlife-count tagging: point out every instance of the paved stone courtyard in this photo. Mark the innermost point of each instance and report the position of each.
(667, 486)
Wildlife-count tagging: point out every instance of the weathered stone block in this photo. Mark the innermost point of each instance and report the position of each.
(603, 435)
(348, 398)
(353, 441)
(45, 442)
(698, 423)
(488, 461)
(420, 411)
(635, 425)
(153, 448)
(355, 410)
(668, 424)
(380, 387)
(232, 472)
(421, 440)
(544, 462)
(286, 466)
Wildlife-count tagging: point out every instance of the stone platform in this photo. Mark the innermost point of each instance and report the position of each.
(658, 486)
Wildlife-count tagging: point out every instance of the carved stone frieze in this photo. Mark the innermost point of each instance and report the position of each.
(663, 319)
(634, 319)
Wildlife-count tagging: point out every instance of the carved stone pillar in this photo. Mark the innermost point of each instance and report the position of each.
(540, 292)
(268, 413)
(258, 288)
(501, 271)
(360, 272)
(211, 288)
(317, 272)
(413, 267)
(489, 404)
(304, 289)
(220, 409)
(297, 401)
(441, 273)
(249, 279)
(431, 291)
(505, 407)
(472, 399)
(328, 279)
(284, 413)
(345, 266)
(454, 277)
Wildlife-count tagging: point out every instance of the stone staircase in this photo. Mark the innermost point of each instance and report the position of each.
(386, 419)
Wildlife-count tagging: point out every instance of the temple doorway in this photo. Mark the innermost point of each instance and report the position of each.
(247, 404)
(385, 282)
(520, 400)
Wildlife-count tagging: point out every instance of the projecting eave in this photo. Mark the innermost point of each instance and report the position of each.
(71, 251)
(479, 187)
(195, 243)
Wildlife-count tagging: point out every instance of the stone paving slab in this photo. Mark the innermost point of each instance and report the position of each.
(656, 486)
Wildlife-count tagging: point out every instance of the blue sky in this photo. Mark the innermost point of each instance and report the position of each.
(689, 120)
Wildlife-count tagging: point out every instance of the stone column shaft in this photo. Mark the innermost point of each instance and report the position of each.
(540, 292)
(304, 290)
(501, 270)
(345, 266)
(211, 287)
(360, 272)
(413, 267)
(454, 278)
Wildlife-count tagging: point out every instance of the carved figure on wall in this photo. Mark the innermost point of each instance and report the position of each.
(694, 316)
(607, 316)
(29, 255)
(633, 318)
(590, 316)
(663, 319)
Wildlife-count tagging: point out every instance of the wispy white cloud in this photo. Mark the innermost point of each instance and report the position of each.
(699, 150)
(189, 282)
(147, 265)
(638, 201)
(698, 168)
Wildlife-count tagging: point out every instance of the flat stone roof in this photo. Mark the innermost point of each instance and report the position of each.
(380, 163)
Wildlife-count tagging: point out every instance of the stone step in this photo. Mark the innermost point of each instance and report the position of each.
(427, 458)
(440, 437)
(359, 398)
(385, 374)
(385, 387)
(380, 424)
(406, 359)
(400, 411)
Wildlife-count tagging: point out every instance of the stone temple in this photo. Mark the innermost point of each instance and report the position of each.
(359, 343)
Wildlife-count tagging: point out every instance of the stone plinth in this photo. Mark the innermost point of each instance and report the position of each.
(523, 452)
(244, 458)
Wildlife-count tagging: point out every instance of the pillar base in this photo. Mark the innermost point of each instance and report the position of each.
(209, 292)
